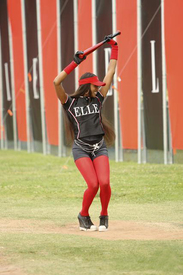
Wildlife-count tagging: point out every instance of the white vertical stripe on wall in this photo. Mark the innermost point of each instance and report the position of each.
(26, 76)
(7, 82)
(75, 5)
(116, 115)
(61, 147)
(155, 80)
(164, 87)
(43, 120)
(94, 36)
(142, 153)
(1, 98)
(139, 79)
(13, 87)
(35, 77)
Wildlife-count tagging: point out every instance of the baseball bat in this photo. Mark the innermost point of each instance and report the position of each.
(95, 47)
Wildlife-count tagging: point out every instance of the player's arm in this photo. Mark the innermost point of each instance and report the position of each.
(111, 67)
(109, 77)
(61, 94)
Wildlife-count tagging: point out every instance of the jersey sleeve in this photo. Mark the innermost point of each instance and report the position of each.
(100, 96)
(67, 104)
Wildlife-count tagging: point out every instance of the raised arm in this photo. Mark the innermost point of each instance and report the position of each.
(61, 94)
(111, 67)
(60, 91)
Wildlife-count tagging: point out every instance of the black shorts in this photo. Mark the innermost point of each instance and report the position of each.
(80, 153)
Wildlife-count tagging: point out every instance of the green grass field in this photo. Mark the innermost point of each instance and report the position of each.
(39, 193)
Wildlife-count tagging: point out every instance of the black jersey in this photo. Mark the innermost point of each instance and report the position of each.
(85, 115)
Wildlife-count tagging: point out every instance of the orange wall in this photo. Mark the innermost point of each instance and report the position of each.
(49, 52)
(85, 33)
(174, 62)
(127, 71)
(15, 17)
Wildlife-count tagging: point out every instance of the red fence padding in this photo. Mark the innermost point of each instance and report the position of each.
(127, 71)
(15, 17)
(174, 65)
(49, 51)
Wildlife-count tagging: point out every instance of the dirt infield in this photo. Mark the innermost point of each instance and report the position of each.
(118, 230)
(10, 270)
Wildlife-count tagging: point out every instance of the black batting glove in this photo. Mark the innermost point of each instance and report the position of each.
(110, 38)
(77, 57)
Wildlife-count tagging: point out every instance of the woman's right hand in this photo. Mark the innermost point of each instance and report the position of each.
(77, 57)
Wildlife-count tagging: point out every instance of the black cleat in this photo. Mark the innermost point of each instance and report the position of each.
(103, 223)
(85, 223)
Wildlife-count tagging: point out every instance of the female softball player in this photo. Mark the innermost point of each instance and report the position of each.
(83, 110)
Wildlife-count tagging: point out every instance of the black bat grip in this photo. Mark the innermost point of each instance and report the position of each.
(117, 33)
(111, 36)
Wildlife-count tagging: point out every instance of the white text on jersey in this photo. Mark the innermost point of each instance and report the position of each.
(87, 110)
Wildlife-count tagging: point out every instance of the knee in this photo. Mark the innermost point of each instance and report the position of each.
(94, 187)
(104, 184)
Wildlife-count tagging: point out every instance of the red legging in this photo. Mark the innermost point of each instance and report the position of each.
(96, 174)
